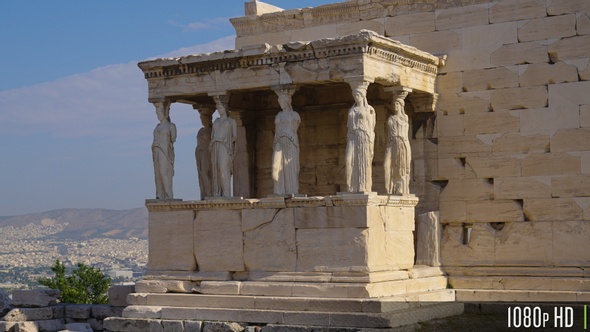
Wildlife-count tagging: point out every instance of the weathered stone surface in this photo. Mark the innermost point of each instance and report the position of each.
(7, 326)
(218, 241)
(192, 326)
(26, 327)
(566, 140)
(439, 41)
(452, 211)
(518, 98)
(126, 324)
(569, 94)
(540, 164)
(492, 78)
(399, 245)
(478, 251)
(173, 326)
(34, 298)
(462, 146)
(514, 10)
(491, 122)
(78, 311)
(78, 327)
(171, 241)
(409, 24)
(50, 325)
(548, 28)
(221, 287)
(332, 217)
(4, 303)
(585, 158)
(165, 286)
(560, 7)
(489, 37)
(570, 186)
(156, 326)
(467, 189)
(222, 327)
(463, 102)
(492, 167)
(118, 294)
(545, 73)
(582, 23)
(524, 142)
(568, 238)
(331, 249)
(570, 48)
(522, 187)
(145, 312)
(494, 211)
(277, 237)
(461, 17)
(104, 311)
(450, 125)
(552, 119)
(428, 237)
(524, 244)
(28, 314)
(552, 209)
(584, 116)
(520, 53)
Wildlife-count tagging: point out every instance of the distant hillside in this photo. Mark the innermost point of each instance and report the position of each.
(88, 223)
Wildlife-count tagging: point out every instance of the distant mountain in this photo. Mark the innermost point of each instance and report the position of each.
(88, 223)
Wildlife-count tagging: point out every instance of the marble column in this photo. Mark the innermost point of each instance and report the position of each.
(242, 180)
(285, 156)
(202, 153)
(360, 139)
(398, 154)
(222, 147)
(163, 151)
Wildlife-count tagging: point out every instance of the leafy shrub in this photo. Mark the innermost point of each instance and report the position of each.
(86, 284)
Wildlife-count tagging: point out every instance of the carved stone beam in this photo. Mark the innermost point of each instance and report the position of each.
(288, 89)
(399, 93)
(424, 102)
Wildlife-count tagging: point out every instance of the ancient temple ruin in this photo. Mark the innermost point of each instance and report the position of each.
(497, 125)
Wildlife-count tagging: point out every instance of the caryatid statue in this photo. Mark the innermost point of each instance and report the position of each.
(163, 151)
(222, 147)
(360, 140)
(202, 153)
(285, 155)
(398, 153)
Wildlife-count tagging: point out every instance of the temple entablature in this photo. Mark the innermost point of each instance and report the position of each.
(376, 58)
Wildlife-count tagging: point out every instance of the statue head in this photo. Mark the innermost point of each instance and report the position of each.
(163, 110)
(359, 91)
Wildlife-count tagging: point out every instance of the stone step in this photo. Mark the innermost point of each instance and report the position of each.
(290, 303)
(320, 289)
(520, 283)
(489, 295)
(412, 315)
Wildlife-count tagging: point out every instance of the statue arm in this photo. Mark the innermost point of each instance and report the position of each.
(172, 132)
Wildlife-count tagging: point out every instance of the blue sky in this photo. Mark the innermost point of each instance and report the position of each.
(75, 124)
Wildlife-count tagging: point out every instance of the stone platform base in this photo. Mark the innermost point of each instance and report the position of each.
(380, 313)
(417, 295)
(521, 288)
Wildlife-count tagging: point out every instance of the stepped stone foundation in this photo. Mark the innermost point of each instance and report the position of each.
(336, 261)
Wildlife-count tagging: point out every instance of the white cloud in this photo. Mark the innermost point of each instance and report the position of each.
(109, 102)
(202, 25)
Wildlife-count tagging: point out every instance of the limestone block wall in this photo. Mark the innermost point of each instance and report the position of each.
(38, 310)
(248, 238)
(510, 153)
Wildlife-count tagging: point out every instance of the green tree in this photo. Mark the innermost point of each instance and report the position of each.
(86, 285)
